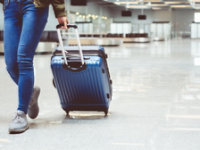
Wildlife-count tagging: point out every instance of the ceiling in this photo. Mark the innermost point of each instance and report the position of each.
(153, 4)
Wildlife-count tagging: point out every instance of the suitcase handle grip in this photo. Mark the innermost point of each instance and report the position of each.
(68, 26)
(78, 41)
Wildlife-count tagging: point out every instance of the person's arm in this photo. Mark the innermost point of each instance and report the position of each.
(59, 10)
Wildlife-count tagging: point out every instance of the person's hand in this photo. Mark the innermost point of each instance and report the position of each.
(63, 20)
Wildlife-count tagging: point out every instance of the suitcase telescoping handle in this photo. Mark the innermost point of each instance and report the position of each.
(78, 41)
(68, 26)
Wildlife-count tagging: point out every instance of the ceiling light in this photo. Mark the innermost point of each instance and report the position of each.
(158, 5)
(157, 8)
(139, 6)
(176, 3)
(194, 0)
(125, 3)
(152, 0)
(181, 6)
(170, 2)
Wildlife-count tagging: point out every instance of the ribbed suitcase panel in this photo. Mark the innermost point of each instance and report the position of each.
(82, 89)
(85, 88)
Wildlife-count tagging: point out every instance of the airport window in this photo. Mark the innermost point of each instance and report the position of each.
(197, 17)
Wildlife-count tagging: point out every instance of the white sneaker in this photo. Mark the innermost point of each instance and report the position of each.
(19, 123)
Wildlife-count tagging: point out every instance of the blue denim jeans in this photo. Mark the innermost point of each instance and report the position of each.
(23, 26)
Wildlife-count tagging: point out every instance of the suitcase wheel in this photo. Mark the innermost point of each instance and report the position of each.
(67, 113)
(53, 81)
(106, 112)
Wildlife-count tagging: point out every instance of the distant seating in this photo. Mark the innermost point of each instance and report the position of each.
(96, 35)
(115, 35)
(44, 37)
(137, 35)
(137, 38)
(53, 37)
(109, 35)
(49, 36)
(83, 35)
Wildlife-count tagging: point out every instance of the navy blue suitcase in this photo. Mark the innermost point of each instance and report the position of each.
(82, 87)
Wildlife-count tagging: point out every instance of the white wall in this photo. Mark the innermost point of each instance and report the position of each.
(91, 8)
(52, 21)
(162, 15)
(133, 19)
(180, 19)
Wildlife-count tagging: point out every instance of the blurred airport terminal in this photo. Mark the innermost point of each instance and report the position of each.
(153, 49)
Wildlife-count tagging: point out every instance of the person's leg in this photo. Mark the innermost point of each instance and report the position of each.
(34, 21)
(12, 30)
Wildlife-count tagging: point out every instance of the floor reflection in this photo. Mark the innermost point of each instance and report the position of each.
(155, 105)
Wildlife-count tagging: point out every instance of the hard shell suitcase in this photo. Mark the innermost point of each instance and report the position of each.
(82, 81)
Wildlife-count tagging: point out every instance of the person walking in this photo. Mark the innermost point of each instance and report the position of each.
(24, 22)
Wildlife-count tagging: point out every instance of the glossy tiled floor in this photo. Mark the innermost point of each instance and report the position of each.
(156, 104)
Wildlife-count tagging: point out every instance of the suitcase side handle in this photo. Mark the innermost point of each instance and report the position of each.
(74, 66)
(61, 42)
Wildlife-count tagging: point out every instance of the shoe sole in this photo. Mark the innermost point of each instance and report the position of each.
(34, 106)
(18, 131)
